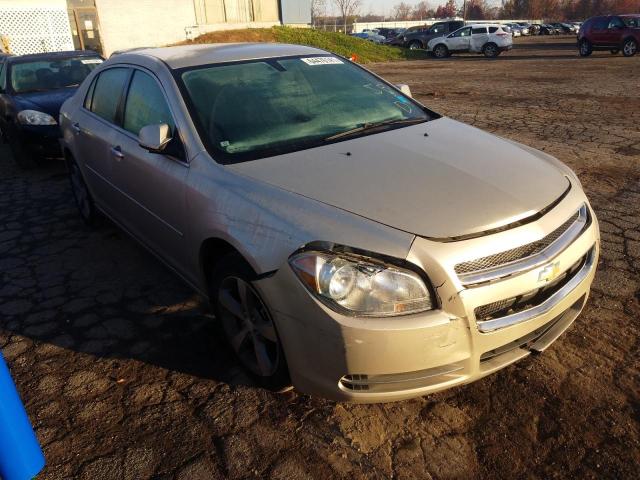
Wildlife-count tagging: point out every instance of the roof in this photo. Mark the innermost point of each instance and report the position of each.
(52, 55)
(479, 25)
(205, 54)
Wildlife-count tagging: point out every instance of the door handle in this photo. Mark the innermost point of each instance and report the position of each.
(117, 153)
(76, 128)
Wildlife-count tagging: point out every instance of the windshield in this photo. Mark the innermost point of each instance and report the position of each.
(43, 75)
(262, 108)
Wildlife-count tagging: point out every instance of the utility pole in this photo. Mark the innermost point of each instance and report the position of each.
(464, 10)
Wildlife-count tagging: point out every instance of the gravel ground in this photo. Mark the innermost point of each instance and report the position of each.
(123, 377)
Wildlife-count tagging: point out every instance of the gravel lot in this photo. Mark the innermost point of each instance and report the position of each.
(123, 377)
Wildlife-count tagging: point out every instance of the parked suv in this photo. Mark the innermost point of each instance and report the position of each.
(420, 38)
(612, 32)
(347, 235)
(488, 39)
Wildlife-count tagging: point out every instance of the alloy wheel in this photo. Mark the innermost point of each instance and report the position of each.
(440, 51)
(248, 326)
(490, 51)
(630, 48)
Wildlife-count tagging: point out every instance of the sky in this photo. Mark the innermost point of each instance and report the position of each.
(384, 7)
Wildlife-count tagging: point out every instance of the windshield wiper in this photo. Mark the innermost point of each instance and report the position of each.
(374, 125)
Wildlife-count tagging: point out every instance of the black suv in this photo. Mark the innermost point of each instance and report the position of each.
(420, 38)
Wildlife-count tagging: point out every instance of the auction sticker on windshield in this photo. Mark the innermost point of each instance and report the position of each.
(91, 61)
(322, 61)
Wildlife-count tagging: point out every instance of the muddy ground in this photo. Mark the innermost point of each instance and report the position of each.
(116, 360)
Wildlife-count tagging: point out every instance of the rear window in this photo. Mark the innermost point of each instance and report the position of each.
(493, 29)
(479, 31)
(43, 75)
(633, 22)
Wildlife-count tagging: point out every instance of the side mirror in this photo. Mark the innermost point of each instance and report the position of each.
(404, 88)
(155, 138)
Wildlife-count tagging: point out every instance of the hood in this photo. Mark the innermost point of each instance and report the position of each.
(454, 181)
(47, 102)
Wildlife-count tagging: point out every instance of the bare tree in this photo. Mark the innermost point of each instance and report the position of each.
(401, 11)
(422, 10)
(348, 8)
(318, 9)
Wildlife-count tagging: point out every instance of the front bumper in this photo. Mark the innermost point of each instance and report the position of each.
(388, 359)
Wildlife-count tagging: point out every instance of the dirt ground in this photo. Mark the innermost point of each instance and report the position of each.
(122, 376)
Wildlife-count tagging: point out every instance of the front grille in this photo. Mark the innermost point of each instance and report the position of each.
(508, 256)
(533, 298)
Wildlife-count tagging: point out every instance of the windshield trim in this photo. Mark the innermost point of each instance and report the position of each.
(296, 146)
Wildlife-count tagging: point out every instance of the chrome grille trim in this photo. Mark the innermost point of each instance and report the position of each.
(492, 325)
(527, 257)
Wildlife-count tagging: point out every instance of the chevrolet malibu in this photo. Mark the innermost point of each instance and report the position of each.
(353, 243)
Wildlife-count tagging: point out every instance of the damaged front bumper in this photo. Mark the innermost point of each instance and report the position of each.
(386, 359)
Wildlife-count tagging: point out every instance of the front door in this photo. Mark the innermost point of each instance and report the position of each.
(152, 185)
(459, 41)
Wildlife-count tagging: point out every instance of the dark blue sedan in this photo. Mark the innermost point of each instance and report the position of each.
(32, 90)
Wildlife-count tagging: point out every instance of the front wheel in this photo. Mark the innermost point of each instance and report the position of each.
(491, 50)
(441, 51)
(585, 48)
(247, 323)
(630, 47)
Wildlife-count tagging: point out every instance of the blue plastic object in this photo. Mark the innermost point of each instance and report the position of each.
(21, 457)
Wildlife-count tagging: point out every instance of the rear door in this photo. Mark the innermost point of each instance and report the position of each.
(615, 30)
(151, 185)
(479, 37)
(460, 40)
(94, 128)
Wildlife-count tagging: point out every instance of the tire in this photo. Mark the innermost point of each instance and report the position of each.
(490, 50)
(81, 193)
(247, 325)
(585, 48)
(629, 47)
(415, 45)
(440, 51)
(615, 51)
(21, 156)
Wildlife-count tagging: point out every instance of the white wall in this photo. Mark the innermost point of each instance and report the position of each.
(143, 23)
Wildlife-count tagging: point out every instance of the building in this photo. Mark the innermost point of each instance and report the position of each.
(110, 25)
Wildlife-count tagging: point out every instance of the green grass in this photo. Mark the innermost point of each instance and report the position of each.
(365, 52)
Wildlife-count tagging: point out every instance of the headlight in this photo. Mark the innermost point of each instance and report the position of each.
(359, 285)
(33, 117)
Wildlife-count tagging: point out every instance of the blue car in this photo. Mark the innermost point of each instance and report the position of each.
(32, 90)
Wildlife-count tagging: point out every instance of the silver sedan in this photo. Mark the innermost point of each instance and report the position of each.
(354, 243)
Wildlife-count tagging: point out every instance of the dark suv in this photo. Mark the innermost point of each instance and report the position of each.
(420, 38)
(612, 32)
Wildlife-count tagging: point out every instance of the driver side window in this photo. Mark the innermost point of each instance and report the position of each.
(465, 32)
(146, 105)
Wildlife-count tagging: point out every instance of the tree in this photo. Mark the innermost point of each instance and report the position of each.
(448, 10)
(318, 10)
(401, 11)
(348, 8)
(422, 10)
(476, 9)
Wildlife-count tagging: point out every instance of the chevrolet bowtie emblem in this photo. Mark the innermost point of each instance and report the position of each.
(549, 272)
